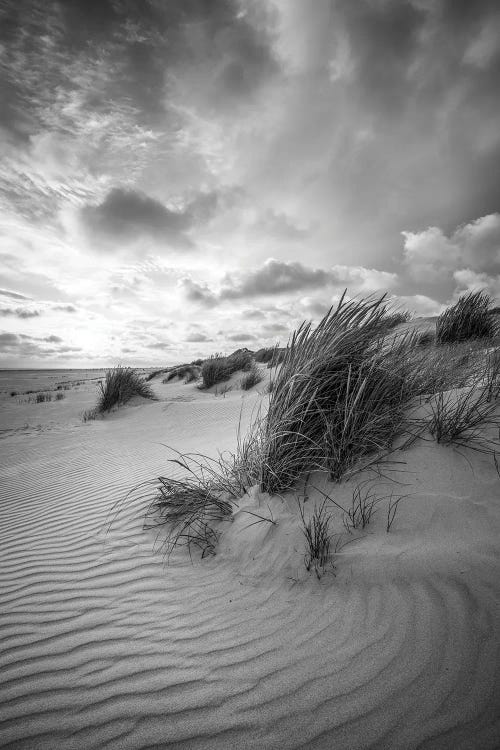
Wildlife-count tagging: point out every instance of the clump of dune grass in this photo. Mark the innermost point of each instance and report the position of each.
(89, 415)
(188, 372)
(467, 319)
(396, 318)
(492, 376)
(463, 418)
(318, 538)
(341, 394)
(60, 396)
(120, 385)
(363, 506)
(251, 378)
(271, 355)
(192, 506)
(426, 338)
(40, 398)
(155, 374)
(219, 368)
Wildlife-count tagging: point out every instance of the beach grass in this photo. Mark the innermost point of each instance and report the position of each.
(251, 378)
(219, 368)
(120, 385)
(341, 403)
(468, 318)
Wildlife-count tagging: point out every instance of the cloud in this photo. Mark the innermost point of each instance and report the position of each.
(65, 308)
(127, 214)
(276, 277)
(13, 295)
(8, 340)
(19, 312)
(24, 346)
(197, 337)
(53, 339)
(241, 337)
(472, 281)
(279, 226)
(158, 345)
(272, 328)
(472, 250)
(199, 293)
(419, 304)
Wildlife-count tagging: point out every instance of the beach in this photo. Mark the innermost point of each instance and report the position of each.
(107, 644)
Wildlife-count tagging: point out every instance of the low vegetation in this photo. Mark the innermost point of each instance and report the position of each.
(40, 398)
(89, 415)
(396, 318)
(120, 385)
(271, 356)
(190, 373)
(251, 378)
(155, 374)
(219, 368)
(345, 396)
(192, 507)
(469, 318)
(318, 538)
(462, 418)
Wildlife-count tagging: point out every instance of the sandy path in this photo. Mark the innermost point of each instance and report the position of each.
(104, 647)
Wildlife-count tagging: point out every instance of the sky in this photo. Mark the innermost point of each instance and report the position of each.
(183, 177)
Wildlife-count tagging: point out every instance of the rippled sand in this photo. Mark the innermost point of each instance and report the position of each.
(103, 646)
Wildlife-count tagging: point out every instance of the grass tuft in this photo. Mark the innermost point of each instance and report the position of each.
(318, 538)
(467, 319)
(340, 394)
(251, 378)
(463, 419)
(218, 368)
(120, 385)
(192, 506)
(188, 372)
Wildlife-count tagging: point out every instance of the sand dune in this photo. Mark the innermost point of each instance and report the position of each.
(103, 646)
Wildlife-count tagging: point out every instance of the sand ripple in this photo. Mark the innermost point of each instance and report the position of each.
(104, 647)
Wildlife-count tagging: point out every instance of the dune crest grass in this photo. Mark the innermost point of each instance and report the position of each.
(219, 368)
(120, 385)
(340, 394)
(469, 318)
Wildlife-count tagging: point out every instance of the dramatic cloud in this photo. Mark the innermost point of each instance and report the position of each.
(126, 214)
(275, 277)
(472, 250)
(281, 278)
(244, 160)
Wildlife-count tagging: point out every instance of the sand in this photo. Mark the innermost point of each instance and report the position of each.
(103, 645)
